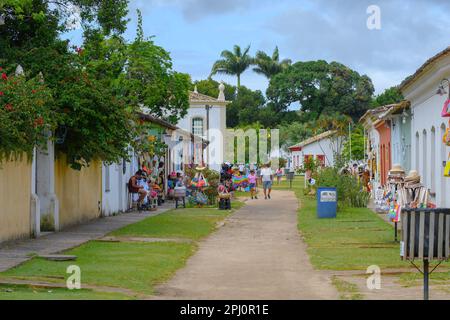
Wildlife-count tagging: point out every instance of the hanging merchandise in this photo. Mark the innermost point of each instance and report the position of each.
(446, 138)
(447, 167)
(446, 110)
(199, 181)
(394, 213)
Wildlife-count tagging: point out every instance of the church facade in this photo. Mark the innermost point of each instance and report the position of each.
(206, 118)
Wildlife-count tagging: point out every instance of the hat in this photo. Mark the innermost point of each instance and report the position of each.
(397, 169)
(413, 176)
(200, 168)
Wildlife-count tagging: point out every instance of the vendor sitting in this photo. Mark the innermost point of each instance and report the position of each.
(135, 186)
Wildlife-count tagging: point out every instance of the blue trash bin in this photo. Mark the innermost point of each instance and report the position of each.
(326, 203)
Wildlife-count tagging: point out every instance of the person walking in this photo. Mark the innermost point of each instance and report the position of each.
(267, 180)
(279, 174)
(253, 184)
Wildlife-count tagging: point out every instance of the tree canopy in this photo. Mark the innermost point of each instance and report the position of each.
(389, 96)
(270, 66)
(97, 88)
(321, 88)
(233, 62)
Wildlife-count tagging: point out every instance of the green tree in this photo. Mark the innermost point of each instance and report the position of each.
(233, 63)
(321, 88)
(150, 80)
(24, 115)
(95, 89)
(245, 108)
(356, 144)
(270, 66)
(389, 96)
(296, 132)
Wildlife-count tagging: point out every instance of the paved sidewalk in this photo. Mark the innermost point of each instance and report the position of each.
(257, 254)
(17, 252)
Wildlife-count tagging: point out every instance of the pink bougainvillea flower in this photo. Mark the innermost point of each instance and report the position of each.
(4, 76)
(79, 51)
(9, 107)
(38, 122)
(1, 93)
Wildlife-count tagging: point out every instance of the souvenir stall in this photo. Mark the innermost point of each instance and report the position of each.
(402, 192)
(395, 182)
(152, 161)
(446, 139)
(197, 187)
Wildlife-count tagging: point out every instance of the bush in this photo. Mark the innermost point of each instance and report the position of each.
(25, 115)
(350, 191)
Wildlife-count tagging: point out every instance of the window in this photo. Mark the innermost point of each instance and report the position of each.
(197, 126)
(321, 159)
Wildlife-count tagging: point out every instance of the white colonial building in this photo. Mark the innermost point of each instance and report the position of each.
(321, 147)
(206, 118)
(427, 90)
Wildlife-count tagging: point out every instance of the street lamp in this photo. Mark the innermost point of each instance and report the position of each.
(207, 108)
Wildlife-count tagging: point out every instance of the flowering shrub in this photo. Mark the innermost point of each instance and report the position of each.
(350, 190)
(25, 115)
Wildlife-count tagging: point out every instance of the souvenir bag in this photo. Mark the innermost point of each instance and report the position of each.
(446, 138)
(447, 167)
(446, 110)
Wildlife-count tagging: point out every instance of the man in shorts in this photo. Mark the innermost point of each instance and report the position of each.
(267, 180)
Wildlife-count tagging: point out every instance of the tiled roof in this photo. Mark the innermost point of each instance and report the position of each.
(380, 113)
(314, 139)
(153, 119)
(198, 97)
(419, 71)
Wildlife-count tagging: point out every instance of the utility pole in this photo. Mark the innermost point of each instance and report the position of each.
(207, 107)
(350, 137)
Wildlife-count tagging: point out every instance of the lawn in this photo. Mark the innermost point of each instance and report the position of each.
(357, 239)
(25, 292)
(191, 223)
(134, 266)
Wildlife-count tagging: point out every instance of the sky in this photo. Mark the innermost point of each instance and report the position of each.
(196, 31)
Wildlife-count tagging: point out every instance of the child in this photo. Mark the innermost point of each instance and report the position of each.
(279, 174)
(253, 182)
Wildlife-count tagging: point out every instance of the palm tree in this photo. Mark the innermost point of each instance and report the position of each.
(270, 66)
(233, 63)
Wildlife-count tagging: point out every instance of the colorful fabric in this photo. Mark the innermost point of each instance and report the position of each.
(240, 181)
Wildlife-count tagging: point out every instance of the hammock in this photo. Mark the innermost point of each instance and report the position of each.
(240, 181)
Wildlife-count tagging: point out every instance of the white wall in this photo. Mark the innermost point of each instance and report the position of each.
(114, 194)
(428, 127)
(322, 147)
(217, 125)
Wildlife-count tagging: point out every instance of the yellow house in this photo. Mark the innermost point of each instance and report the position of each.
(15, 199)
(79, 192)
(44, 194)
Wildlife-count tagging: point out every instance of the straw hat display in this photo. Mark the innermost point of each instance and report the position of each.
(413, 177)
(397, 170)
(396, 174)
